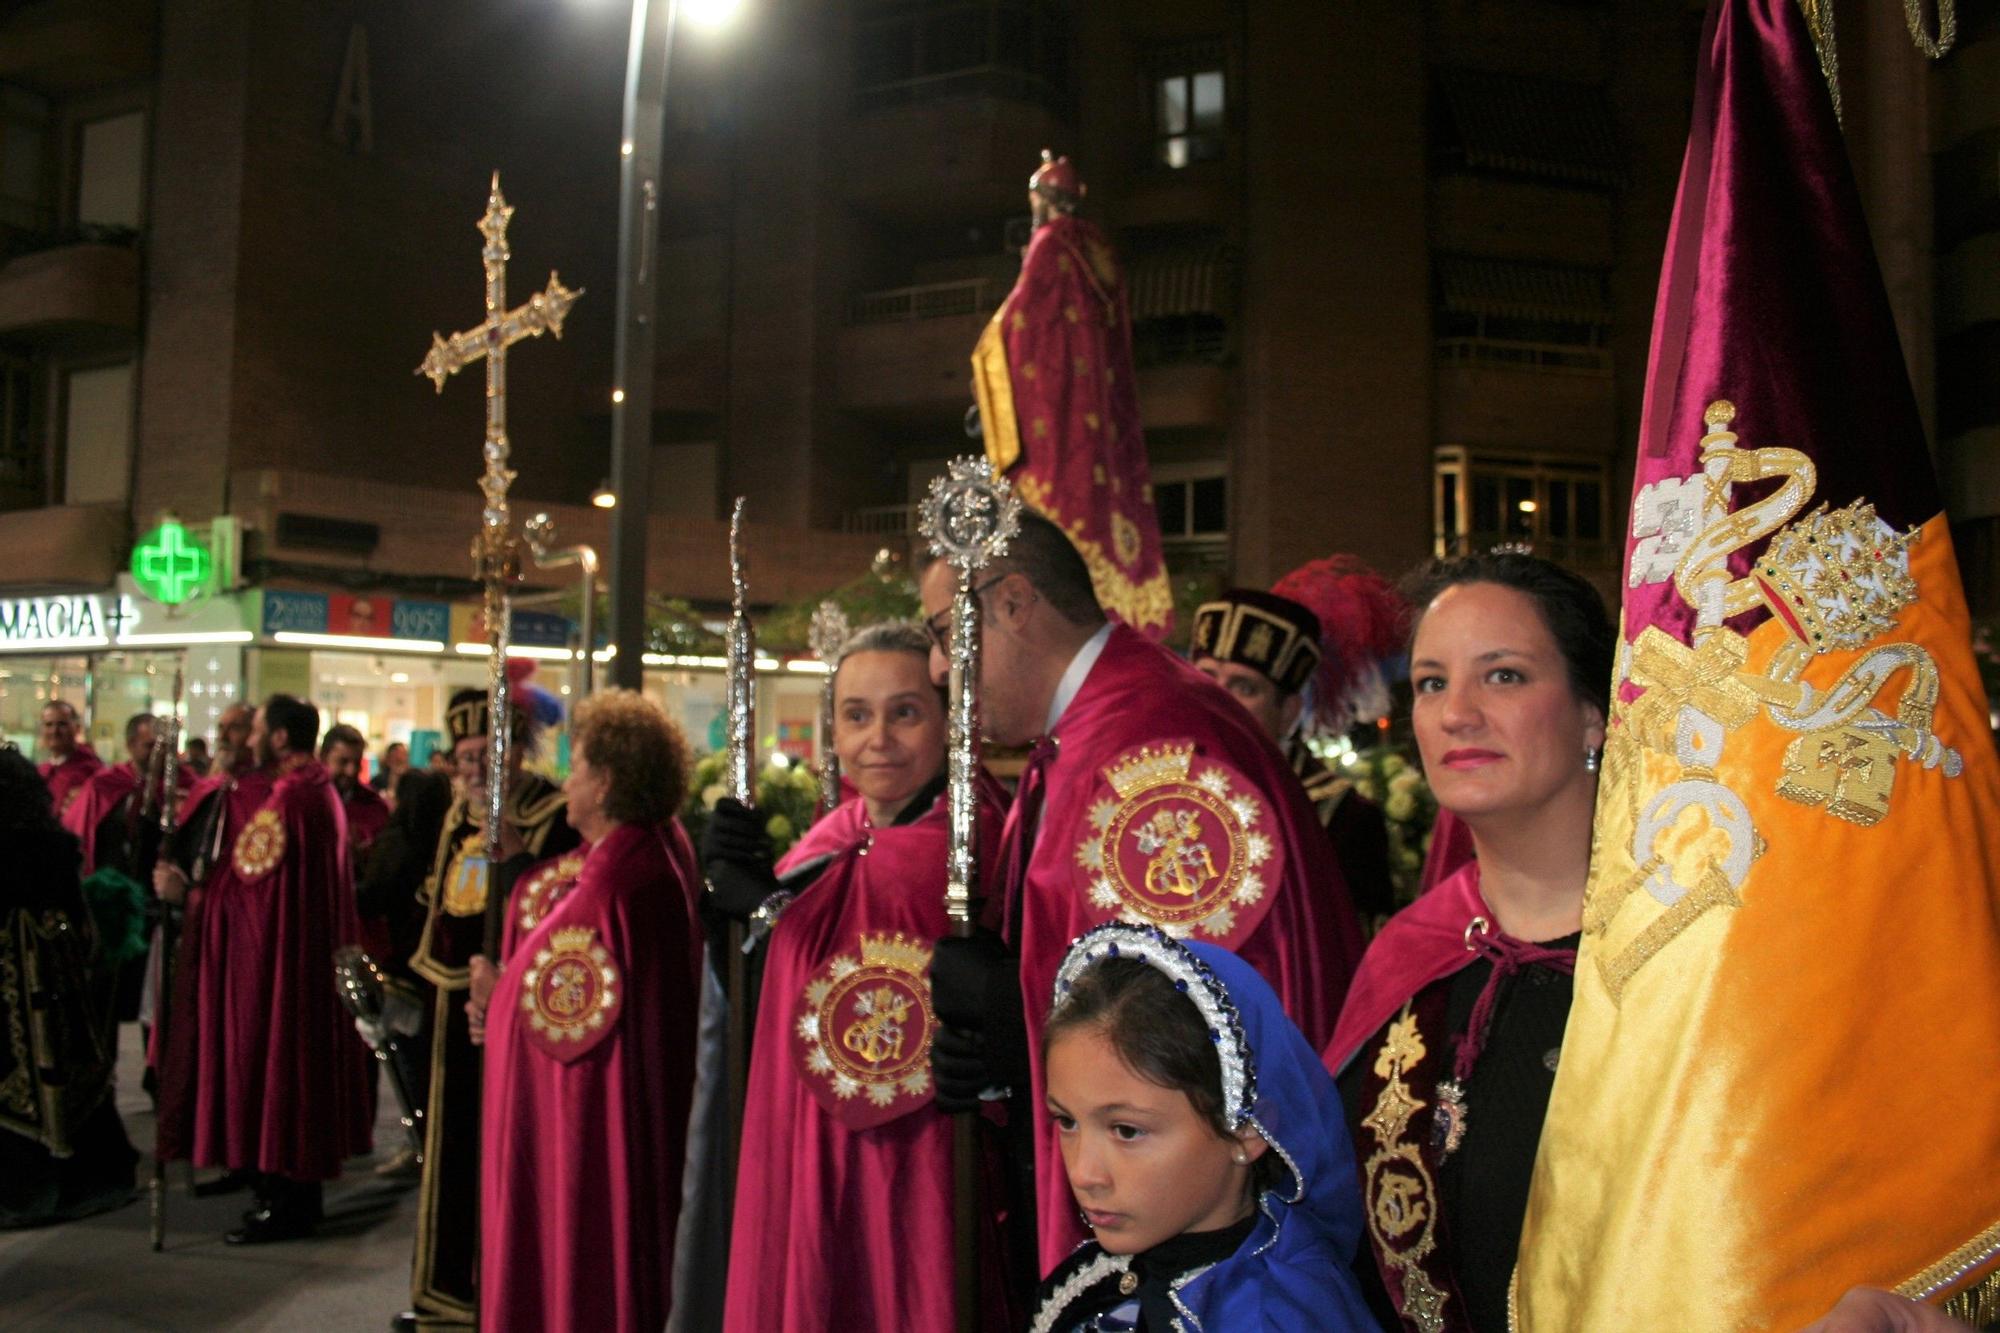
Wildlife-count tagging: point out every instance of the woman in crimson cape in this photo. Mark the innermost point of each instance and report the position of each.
(589, 1035)
(844, 1193)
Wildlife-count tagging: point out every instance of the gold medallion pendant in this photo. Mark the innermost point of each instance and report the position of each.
(465, 885)
(864, 1029)
(1181, 843)
(260, 846)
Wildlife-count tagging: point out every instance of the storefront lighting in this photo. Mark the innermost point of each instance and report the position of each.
(185, 640)
(356, 642)
(539, 653)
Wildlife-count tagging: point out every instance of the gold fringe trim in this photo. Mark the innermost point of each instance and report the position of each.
(1982, 1295)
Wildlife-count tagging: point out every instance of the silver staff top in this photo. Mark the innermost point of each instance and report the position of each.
(970, 515)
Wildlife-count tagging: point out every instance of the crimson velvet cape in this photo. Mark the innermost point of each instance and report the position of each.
(590, 1046)
(367, 816)
(97, 801)
(67, 778)
(1156, 799)
(279, 1077)
(844, 1187)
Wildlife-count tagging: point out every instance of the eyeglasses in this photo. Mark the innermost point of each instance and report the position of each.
(939, 625)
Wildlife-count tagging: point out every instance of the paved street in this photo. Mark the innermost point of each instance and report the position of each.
(101, 1274)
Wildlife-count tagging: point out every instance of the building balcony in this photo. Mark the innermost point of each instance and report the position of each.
(906, 353)
(63, 47)
(73, 298)
(64, 546)
(960, 157)
(370, 533)
(1546, 397)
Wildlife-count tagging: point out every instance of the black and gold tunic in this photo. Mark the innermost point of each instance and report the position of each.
(443, 1279)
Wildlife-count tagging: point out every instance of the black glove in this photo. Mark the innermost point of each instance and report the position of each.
(736, 858)
(983, 1039)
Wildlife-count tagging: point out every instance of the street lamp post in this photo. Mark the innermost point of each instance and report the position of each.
(639, 191)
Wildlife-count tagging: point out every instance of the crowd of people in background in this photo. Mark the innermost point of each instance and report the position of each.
(1196, 1096)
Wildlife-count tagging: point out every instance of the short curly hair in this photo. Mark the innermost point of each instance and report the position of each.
(642, 753)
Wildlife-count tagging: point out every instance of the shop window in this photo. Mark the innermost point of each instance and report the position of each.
(1190, 96)
(110, 181)
(1555, 506)
(97, 435)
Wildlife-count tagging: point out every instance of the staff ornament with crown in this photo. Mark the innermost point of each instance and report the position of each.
(969, 518)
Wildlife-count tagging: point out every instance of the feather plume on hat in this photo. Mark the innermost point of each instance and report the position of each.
(1364, 629)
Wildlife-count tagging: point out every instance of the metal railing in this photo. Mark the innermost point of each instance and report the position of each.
(932, 300)
(881, 520)
(1548, 358)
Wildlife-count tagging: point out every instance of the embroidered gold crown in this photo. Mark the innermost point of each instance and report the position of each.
(572, 939)
(1149, 767)
(897, 951)
(1839, 575)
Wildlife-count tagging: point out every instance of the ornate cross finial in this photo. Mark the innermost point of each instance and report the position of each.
(970, 515)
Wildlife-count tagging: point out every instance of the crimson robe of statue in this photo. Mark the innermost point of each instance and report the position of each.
(844, 1180)
(278, 1075)
(589, 1072)
(66, 779)
(1059, 410)
(1158, 799)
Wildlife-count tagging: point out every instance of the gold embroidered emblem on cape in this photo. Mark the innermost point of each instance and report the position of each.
(1835, 581)
(1184, 845)
(1399, 1196)
(571, 990)
(541, 891)
(261, 845)
(866, 1024)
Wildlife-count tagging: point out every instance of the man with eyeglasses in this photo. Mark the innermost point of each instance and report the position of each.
(1148, 796)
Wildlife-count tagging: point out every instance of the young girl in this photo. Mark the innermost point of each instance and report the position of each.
(1204, 1144)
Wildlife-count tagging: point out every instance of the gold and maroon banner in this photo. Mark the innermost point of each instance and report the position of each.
(1777, 1080)
(1060, 409)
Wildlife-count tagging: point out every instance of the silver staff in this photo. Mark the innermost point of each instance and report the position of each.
(969, 518)
(740, 649)
(829, 632)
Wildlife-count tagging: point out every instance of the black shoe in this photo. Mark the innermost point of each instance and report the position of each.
(268, 1224)
(405, 1322)
(227, 1183)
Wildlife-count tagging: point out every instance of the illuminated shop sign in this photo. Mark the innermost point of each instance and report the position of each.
(86, 621)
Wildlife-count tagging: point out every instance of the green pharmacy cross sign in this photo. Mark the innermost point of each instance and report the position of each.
(169, 565)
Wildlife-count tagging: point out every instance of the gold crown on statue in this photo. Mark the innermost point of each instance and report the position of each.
(1838, 577)
(1149, 767)
(898, 952)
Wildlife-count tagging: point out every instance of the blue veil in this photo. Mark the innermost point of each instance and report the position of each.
(1296, 1269)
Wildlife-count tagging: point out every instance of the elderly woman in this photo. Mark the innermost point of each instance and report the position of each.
(1457, 1012)
(589, 1037)
(844, 1194)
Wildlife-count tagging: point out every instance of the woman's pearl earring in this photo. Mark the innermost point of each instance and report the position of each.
(1592, 757)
